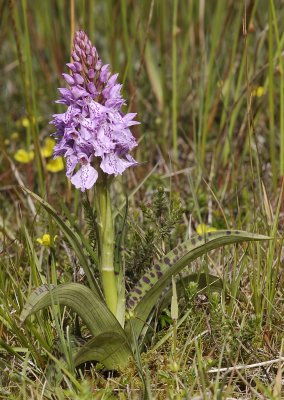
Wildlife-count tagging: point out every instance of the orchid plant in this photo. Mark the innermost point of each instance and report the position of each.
(93, 136)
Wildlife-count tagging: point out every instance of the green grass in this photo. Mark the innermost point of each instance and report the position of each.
(190, 69)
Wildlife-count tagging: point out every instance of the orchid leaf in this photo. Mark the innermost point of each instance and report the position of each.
(148, 290)
(110, 348)
(81, 300)
(109, 345)
(72, 238)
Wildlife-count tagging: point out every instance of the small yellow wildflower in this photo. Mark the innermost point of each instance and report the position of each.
(56, 165)
(45, 240)
(23, 156)
(6, 142)
(258, 91)
(201, 229)
(47, 150)
(15, 136)
(26, 122)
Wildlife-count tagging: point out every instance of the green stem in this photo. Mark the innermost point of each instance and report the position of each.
(106, 242)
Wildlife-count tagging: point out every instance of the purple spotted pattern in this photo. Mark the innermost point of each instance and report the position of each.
(93, 133)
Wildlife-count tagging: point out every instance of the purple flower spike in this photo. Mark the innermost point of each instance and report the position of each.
(93, 131)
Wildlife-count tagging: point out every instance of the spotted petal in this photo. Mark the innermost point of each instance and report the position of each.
(112, 164)
(85, 178)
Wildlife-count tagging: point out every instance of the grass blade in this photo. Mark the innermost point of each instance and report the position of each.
(72, 238)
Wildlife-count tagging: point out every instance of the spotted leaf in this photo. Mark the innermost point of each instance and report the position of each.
(149, 288)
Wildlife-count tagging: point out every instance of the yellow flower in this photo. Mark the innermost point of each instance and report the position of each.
(45, 240)
(23, 156)
(15, 136)
(56, 165)
(258, 91)
(26, 122)
(201, 229)
(47, 150)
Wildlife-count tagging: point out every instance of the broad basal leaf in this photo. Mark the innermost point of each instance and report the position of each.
(80, 299)
(110, 348)
(147, 291)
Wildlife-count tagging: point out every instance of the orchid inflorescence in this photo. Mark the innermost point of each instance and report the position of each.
(93, 132)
